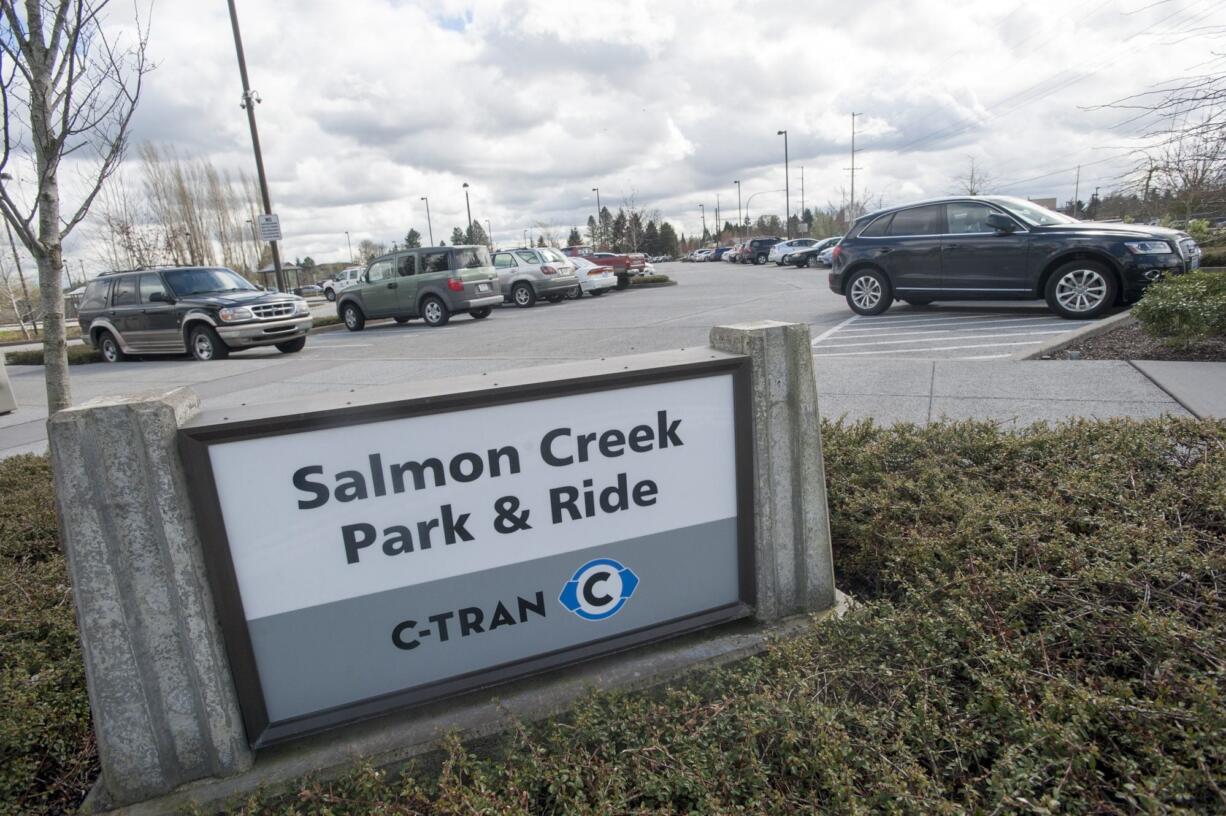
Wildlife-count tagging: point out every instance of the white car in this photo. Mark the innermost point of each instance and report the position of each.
(594, 279)
(699, 255)
(779, 252)
(342, 281)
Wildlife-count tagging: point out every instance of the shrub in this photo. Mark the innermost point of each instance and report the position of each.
(77, 355)
(642, 279)
(1213, 256)
(1183, 309)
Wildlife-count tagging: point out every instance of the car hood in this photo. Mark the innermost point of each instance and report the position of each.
(1124, 231)
(245, 298)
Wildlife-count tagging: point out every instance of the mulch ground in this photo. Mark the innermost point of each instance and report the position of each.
(1130, 342)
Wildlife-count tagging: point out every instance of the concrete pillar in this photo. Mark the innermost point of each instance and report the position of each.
(795, 570)
(8, 402)
(164, 705)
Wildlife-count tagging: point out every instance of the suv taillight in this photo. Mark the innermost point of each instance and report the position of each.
(455, 284)
(548, 270)
(836, 252)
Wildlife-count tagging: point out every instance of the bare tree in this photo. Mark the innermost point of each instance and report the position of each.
(975, 181)
(79, 88)
(549, 232)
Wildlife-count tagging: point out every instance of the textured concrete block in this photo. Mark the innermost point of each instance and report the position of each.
(164, 706)
(795, 571)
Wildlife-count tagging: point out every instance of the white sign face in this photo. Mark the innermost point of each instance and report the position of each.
(270, 226)
(404, 553)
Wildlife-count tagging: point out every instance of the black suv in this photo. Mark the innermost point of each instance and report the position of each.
(756, 250)
(990, 247)
(202, 310)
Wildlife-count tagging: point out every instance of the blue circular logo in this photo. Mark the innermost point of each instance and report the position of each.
(599, 589)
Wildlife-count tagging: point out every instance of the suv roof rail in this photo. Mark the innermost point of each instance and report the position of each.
(149, 268)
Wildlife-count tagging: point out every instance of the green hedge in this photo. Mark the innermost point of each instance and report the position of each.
(1213, 256)
(1041, 631)
(1183, 309)
(640, 280)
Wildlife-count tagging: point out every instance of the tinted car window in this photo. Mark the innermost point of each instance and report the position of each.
(878, 228)
(967, 217)
(470, 258)
(95, 295)
(379, 270)
(434, 262)
(918, 221)
(528, 256)
(504, 260)
(125, 292)
(148, 285)
(187, 282)
(406, 265)
(552, 255)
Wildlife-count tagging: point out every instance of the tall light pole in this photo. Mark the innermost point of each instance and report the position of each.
(429, 223)
(851, 209)
(599, 222)
(787, 195)
(703, 209)
(468, 230)
(350, 244)
(749, 200)
(740, 222)
(802, 192)
(249, 101)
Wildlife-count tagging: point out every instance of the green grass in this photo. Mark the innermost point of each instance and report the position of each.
(1041, 631)
(77, 355)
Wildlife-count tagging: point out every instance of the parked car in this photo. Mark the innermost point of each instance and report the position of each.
(733, 255)
(308, 290)
(818, 254)
(625, 265)
(757, 250)
(594, 279)
(528, 273)
(578, 251)
(781, 252)
(970, 248)
(718, 253)
(700, 255)
(341, 281)
(204, 311)
(432, 283)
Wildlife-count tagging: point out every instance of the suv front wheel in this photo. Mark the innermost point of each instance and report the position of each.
(1080, 290)
(353, 317)
(206, 345)
(868, 293)
(330, 294)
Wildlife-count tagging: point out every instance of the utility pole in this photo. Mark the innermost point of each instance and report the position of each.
(718, 228)
(1076, 190)
(599, 221)
(350, 243)
(740, 222)
(468, 231)
(249, 101)
(787, 195)
(703, 209)
(851, 208)
(429, 223)
(802, 192)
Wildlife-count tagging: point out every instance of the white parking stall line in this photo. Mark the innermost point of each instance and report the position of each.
(1056, 327)
(942, 339)
(995, 325)
(923, 350)
(977, 320)
(834, 329)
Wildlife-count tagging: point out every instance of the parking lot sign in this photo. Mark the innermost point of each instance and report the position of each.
(270, 226)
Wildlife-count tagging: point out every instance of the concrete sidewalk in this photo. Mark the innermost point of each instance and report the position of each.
(1013, 393)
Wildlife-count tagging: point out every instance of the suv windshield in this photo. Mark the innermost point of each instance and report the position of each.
(188, 282)
(1032, 213)
(472, 258)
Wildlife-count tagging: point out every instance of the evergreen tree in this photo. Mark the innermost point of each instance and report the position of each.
(574, 239)
(412, 238)
(668, 244)
(606, 228)
(651, 239)
(593, 231)
(540, 240)
(619, 238)
(457, 236)
(476, 234)
(634, 232)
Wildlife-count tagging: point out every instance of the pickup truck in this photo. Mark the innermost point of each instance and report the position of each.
(625, 265)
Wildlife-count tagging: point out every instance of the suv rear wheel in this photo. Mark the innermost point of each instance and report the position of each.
(523, 295)
(109, 346)
(1080, 290)
(206, 345)
(353, 317)
(868, 293)
(330, 294)
(434, 312)
(759, 259)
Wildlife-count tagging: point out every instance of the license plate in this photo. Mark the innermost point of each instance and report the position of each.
(483, 287)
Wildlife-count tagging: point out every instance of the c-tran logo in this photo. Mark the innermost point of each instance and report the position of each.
(599, 589)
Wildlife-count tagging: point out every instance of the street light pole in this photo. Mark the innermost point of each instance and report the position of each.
(599, 223)
(740, 222)
(429, 223)
(802, 192)
(749, 200)
(787, 200)
(468, 230)
(350, 243)
(703, 208)
(248, 102)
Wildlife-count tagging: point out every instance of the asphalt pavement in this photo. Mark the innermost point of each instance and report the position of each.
(917, 379)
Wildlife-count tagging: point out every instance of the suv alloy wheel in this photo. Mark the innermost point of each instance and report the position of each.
(434, 312)
(206, 345)
(868, 293)
(1081, 290)
(353, 317)
(109, 346)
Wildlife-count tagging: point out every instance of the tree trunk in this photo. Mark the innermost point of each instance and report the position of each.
(51, 289)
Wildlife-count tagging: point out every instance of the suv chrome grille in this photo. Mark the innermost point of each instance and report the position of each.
(268, 311)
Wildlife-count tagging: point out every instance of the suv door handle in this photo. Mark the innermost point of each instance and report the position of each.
(392, 285)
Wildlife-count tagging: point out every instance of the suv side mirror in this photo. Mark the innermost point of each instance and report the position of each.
(1000, 223)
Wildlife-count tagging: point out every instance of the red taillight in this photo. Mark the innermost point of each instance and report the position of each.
(836, 252)
(548, 270)
(455, 284)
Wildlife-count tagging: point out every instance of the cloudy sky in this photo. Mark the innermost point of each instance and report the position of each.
(370, 104)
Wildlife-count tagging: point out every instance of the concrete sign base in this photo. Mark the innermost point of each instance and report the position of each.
(168, 720)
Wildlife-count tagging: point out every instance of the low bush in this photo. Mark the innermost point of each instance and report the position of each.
(1184, 309)
(77, 355)
(642, 279)
(1041, 630)
(1213, 256)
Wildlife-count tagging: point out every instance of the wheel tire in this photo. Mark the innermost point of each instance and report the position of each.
(555, 298)
(330, 295)
(575, 294)
(759, 259)
(401, 320)
(523, 295)
(292, 346)
(917, 301)
(596, 292)
(868, 292)
(482, 313)
(434, 312)
(108, 345)
(623, 282)
(206, 345)
(805, 264)
(1081, 290)
(353, 318)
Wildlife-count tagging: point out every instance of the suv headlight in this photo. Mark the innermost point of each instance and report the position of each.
(301, 308)
(231, 314)
(1149, 247)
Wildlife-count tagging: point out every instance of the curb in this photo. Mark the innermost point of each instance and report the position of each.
(1092, 330)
